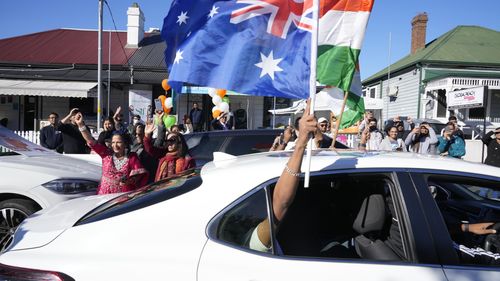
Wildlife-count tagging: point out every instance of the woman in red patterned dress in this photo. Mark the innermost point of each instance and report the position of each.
(121, 170)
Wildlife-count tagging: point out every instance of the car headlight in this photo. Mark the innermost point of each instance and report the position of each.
(71, 186)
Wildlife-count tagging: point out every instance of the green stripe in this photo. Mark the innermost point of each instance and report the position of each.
(336, 66)
(355, 108)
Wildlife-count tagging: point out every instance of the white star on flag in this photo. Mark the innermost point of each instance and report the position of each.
(182, 18)
(269, 65)
(213, 12)
(178, 56)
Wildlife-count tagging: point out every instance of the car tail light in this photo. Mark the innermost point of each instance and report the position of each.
(13, 273)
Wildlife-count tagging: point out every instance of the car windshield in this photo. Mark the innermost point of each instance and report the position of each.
(149, 195)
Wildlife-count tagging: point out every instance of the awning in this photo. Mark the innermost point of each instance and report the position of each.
(46, 88)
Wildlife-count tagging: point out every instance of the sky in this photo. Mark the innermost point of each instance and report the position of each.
(392, 17)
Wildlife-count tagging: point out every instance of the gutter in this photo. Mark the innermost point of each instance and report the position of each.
(420, 88)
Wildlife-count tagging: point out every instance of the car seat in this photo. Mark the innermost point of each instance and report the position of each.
(369, 223)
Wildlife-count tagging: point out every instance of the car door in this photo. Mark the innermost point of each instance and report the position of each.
(332, 201)
(449, 198)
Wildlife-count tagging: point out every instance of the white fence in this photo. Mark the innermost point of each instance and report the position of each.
(32, 136)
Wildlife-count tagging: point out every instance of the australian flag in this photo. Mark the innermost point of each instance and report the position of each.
(255, 47)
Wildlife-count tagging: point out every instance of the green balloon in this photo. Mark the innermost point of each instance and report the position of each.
(169, 121)
(225, 99)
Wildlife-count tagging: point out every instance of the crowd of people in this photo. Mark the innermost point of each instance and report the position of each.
(131, 156)
(397, 136)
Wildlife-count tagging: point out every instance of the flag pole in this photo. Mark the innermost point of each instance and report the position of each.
(312, 83)
(339, 119)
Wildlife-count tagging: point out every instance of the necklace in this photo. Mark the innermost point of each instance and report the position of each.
(119, 163)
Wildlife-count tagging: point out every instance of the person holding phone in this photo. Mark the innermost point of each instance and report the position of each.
(391, 142)
(451, 144)
(282, 140)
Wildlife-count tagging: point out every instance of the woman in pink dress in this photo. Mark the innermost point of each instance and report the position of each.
(121, 170)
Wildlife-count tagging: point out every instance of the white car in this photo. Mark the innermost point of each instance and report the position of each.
(35, 178)
(365, 216)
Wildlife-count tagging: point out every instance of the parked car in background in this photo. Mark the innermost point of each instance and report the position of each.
(202, 145)
(33, 178)
(365, 216)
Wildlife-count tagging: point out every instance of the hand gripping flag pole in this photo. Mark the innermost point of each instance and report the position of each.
(312, 83)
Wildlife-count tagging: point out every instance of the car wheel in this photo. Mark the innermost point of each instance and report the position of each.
(12, 213)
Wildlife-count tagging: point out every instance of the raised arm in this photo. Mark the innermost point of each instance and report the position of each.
(286, 187)
(486, 139)
(83, 129)
(66, 119)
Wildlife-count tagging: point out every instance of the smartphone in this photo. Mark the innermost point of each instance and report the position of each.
(158, 105)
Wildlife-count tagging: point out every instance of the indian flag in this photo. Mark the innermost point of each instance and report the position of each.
(342, 27)
(331, 98)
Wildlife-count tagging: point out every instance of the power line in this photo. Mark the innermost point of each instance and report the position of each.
(113, 19)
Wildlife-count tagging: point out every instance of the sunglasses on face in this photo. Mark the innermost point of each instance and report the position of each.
(322, 125)
(172, 141)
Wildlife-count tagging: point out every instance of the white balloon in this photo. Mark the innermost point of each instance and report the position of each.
(215, 108)
(169, 102)
(224, 107)
(212, 92)
(216, 100)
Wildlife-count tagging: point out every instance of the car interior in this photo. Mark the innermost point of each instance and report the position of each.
(343, 217)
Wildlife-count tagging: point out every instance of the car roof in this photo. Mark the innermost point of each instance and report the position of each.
(243, 173)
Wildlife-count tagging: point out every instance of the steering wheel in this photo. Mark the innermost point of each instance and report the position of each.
(492, 241)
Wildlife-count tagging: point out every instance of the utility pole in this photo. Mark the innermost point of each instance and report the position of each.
(99, 67)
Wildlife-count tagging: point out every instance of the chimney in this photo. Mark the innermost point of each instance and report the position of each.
(418, 29)
(135, 26)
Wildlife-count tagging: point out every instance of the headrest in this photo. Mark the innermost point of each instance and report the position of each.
(371, 215)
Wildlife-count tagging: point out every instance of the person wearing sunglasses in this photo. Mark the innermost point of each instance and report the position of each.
(493, 145)
(173, 158)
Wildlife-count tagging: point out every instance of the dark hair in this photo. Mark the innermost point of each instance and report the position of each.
(127, 139)
(424, 123)
(452, 117)
(137, 116)
(391, 127)
(373, 119)
(110, 120)
(296, 124)
(53, 113)
(182, 148)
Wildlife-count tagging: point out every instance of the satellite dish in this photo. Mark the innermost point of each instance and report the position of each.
(392, 91)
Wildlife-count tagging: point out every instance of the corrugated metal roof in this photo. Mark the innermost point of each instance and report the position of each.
(462, 46)
(151, 53)
(64, 46)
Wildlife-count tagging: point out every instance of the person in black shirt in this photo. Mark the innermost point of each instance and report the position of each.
(50, 136)
(73, 141)
(493, 146)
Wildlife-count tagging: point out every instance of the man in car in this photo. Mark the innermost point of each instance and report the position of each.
(459, 229)
(286, 187)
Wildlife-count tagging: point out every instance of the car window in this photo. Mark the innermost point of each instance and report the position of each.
(241, 145)
(338, 216)
(239, 224)
(202, 146)
(466, 203)
(146, 196)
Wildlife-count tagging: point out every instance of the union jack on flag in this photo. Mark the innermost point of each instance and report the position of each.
(256, 47)
(281, 16)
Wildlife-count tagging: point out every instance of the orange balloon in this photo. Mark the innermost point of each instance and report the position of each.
(167, 111)
(216, 113)
(221, 93)
(165, 85)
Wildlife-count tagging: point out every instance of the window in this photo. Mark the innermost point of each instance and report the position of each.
(349, 216)
(238, 225)
(146, 196)
(467, 200)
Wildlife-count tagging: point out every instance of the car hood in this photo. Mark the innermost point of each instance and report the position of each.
(57, 165)
(44, 226)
